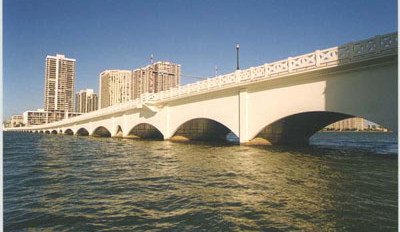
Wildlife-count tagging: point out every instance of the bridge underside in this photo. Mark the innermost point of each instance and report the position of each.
(145, 131)
(68, 132)
(101, 132)
(82, 132)
(296, 129)
(201, 130)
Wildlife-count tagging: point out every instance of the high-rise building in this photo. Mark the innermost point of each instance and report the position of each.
(166, 76)
(143, 81)
(157, 77)
(116, 86)
(119, 86)
(92, 102)
(59, 83)
(85, 101)
(348, 124)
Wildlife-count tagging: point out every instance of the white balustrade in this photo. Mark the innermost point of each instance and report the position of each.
(246, 75)
(278, 67)
(303, 62)
(328, 55)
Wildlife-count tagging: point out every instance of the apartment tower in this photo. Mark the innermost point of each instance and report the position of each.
(86, 101)
(157, 77)
(348, 124)
(116, 86)
(59, 83)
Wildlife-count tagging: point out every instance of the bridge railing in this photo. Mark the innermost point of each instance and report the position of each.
(94, 114)
(351, 52)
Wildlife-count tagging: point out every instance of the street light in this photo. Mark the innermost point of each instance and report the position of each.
(237, 56)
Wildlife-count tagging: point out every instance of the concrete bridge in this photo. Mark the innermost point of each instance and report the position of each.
(284, 102)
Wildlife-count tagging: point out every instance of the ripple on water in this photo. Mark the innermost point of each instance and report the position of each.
(69, 183)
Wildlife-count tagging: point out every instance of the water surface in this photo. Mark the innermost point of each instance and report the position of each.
(343, 182)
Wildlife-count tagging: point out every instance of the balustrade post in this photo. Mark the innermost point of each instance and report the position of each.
(238, 76)
(351, 49)
(378, 39)
(266, 73)
(289, 59)
(317, 58)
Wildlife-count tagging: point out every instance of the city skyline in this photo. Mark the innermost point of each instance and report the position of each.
(204, 37)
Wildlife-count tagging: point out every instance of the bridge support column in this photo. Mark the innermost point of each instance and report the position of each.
(125, 129)
(90, 128)
(243, 116)
(113, 129)
(167, 134)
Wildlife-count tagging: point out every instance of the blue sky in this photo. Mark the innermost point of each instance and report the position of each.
(198, 34)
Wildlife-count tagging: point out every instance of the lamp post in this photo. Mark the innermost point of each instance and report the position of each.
(237, 56)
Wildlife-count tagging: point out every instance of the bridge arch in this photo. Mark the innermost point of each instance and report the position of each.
(47, 132)
(145, 131)
(54, 132)
(101, 131)
(60, 131)
(201, 129)
(82, 132)
(68, 132)
(296, 129)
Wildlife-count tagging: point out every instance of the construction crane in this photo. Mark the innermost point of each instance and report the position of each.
(182, 75)
(194, 77)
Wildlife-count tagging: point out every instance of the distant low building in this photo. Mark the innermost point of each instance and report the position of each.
(17, 120)
(40, 116)
(375, 127)
(35, 117)
(348, 124)
(6, 124)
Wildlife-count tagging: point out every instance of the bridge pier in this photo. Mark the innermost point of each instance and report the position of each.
(243, 116)
(118, 133)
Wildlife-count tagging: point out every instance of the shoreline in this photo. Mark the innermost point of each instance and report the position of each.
(356, 131)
